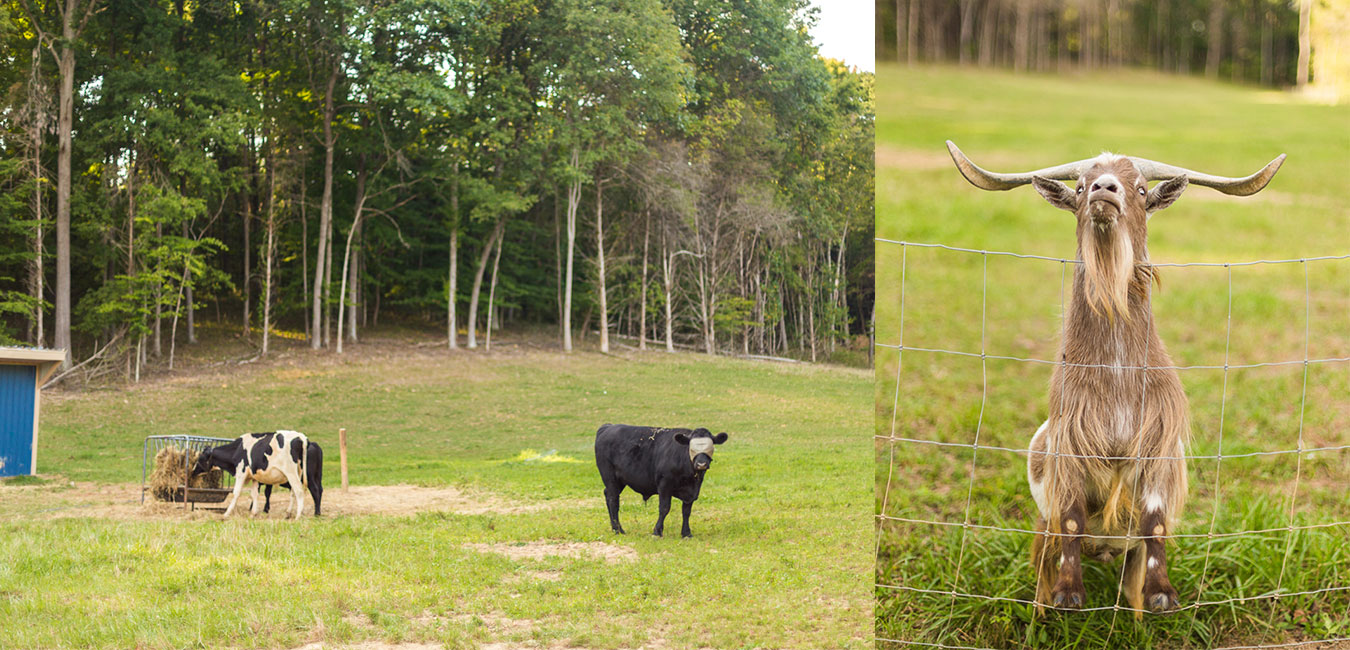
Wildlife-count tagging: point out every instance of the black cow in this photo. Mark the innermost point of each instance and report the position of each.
(653, 460)
(261, 458)
(313, 474)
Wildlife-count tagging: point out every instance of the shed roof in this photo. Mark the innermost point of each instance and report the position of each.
(47, 361)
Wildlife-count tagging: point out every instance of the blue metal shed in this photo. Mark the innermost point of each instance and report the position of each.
(22, 372)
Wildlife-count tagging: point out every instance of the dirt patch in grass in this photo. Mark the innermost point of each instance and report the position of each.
(123, 501)
(372, 645)
(538, 550)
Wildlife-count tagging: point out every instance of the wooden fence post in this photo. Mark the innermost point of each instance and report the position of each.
(342, 454)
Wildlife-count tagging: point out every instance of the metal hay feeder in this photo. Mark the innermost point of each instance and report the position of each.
(187, 495)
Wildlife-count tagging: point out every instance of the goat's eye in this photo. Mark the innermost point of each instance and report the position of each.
(1080, 189)
(1141, 191)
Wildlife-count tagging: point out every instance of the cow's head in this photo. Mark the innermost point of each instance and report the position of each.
(204, 461)
(700, 442)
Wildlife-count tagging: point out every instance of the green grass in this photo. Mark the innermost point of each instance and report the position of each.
(779, 556)
(1006, 122)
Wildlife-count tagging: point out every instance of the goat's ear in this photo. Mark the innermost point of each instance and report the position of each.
(1058, 194)
(1165, 193)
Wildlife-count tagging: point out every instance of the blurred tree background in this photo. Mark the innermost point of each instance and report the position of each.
(1274, 43)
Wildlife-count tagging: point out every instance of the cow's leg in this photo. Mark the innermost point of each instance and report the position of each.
(253, 507)
(297, 494)
(1068, 591)
(1134, 580)
(612, 490)
(267, 499)
(240, 478)
(661, 514)
(685, 509)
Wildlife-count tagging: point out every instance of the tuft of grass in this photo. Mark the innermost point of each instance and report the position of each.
(27, 479)
(1011, 307)
(781, 521)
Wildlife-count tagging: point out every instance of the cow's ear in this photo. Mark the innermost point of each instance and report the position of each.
(720, 438)
(682, 438)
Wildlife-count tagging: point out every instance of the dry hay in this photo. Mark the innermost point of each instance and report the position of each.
(166, 482)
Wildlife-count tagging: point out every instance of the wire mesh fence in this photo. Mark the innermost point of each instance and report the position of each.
(905, 447)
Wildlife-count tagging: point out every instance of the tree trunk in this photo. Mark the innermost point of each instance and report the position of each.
(354, 280)
(492, 294)
(268, 259)
(642, 318)
(39, 118)
(668, 261)
(361, 178)
(600, 260)
(325, 215)
(191, 309)
(452, 329)
(912, 34)
(328, 289)
(304, 252)
(1021, 37)
(899, 31)
(573, 198)
(1304, 54)
(248, 250)
(1267, 78)
(557, 260)
(988, 32)
(1214, 35)
(159, 288)
(478, 281)
(65, 122)
(967, 30)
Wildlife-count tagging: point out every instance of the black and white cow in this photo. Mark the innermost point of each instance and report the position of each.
(261, 458)
(653, 460)
(313, 475)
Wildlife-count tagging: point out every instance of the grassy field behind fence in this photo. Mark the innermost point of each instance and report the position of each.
(779, 557)
(1012, 123)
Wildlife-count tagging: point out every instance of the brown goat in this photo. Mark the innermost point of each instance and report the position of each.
(1107, 468)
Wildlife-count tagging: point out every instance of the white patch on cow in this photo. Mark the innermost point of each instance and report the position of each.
(700, 446)
(281, 468)
(1153, 563)
(1153, 502)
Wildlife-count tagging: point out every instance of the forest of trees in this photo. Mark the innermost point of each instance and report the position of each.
(678, 171)
(1253, 41)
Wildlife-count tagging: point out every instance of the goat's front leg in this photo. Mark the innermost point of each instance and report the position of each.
(1159, 595)
(1068, 591)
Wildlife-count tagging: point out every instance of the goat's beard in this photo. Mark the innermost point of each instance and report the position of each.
(1108, 265)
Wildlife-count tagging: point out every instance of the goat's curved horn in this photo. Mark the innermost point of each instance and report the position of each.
(1245, 186)
(987, 180)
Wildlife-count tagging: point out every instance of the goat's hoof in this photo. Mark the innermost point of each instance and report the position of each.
(1068, 597)
(1163, 601)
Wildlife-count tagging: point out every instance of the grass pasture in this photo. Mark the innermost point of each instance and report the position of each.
(1011, 307)
(520, 557)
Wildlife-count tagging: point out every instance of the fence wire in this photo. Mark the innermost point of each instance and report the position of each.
(966, 525)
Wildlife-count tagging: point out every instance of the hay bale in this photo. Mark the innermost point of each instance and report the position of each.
(166, 482)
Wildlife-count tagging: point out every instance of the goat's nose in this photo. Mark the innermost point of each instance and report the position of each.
(1108, 184)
